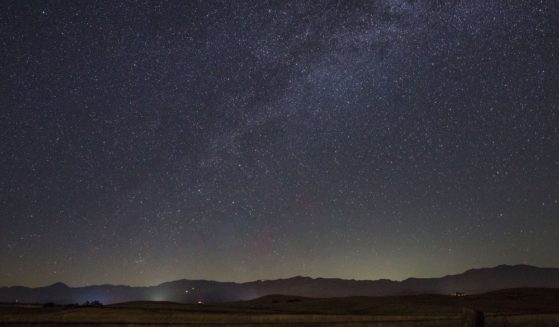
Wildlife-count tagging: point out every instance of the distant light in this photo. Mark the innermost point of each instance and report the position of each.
(200, 302)
(186, 291)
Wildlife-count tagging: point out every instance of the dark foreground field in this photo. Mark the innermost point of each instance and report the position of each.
(522, 307)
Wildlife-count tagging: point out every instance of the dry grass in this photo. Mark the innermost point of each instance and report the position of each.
(533, 320)
(161, 316)
(147, 317)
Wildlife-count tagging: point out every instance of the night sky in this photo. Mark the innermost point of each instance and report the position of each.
(147, 141)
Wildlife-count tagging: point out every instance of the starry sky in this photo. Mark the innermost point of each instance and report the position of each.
(147, 141)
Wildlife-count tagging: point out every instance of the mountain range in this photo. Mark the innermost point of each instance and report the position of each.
(473, 281)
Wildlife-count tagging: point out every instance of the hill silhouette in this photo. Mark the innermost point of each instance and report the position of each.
(475, 281)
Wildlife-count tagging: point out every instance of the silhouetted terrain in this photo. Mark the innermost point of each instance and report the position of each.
(513, 307)
(509, 301)
(473, 281)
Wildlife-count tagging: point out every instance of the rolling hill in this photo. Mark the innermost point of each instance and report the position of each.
(473, 281)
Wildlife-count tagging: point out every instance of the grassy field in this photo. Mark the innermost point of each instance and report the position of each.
(506, 308)
(154, 317)
(158, 317)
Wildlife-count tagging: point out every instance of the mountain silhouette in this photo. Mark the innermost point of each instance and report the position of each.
(473, 281)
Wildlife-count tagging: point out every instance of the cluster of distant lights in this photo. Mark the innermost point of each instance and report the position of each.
(192, 289)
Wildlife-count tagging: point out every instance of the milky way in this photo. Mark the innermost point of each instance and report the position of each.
(148, 141)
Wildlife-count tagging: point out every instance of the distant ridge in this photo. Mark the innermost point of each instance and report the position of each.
(472, 281)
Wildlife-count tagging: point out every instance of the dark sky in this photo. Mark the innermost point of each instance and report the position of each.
(146, 141)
